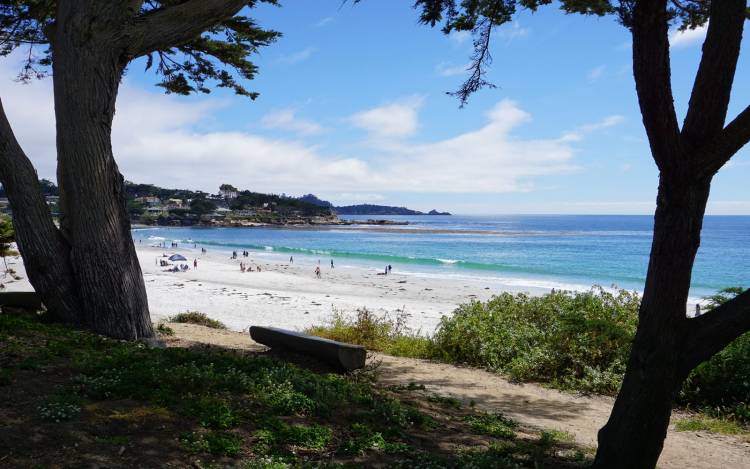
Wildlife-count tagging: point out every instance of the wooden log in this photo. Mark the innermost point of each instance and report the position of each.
(21, 299)
(345, 356)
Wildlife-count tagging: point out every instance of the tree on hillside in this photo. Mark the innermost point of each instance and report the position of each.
(86, 271)
(202, 206)
(668, 345)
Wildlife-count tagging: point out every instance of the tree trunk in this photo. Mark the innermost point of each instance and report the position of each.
(95, 222)
(634, 435)
(44, 251)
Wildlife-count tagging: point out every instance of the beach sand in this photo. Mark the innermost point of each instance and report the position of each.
(290, 296)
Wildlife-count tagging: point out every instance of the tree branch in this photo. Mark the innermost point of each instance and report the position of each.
(714, 330)
(651, 70)
(172, 26)
(709, 100)
(721, 149)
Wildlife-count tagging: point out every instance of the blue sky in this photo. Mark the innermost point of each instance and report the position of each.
(353, 108)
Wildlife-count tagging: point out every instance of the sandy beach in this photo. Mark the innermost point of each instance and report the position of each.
(290, 296)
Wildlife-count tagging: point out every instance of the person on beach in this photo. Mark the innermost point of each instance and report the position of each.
(242, 266)
(257, 268)
(291, 259)
(332, 263)
(389, 268)
(317, 271)
(386, 270)
(195, 263)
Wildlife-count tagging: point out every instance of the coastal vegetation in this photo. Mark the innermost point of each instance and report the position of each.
(571, 341)
(72, 398)
(195, 317)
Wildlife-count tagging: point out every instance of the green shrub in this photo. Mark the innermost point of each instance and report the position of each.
(572, 340)
(163, 329)
(195, 317)
(379, 333)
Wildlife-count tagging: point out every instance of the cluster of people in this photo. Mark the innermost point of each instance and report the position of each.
(388, 269)
(248, 268)
(178, 268)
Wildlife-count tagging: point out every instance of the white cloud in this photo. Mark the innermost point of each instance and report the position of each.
(397, 119)
(164, 140)
(687, 37)
(297, 57)
(447, 70)
(511, 31)
(286, 119)
(596, 73)
(459, 37)
(578, 134)
(349, 198)
(324, 21)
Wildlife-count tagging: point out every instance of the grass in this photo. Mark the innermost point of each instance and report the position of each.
(71, 399)
(710, 424)
(194, 317)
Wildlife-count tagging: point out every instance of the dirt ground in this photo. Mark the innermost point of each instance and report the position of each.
(530, 404)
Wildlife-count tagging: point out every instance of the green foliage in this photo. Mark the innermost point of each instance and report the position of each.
(224, 405)
(709, 424)
(60, 408)
(7, 235)
(163, 329)
(572, 340)
(721, 385)
(195, 317)
(201, 206)
(380, 333)
(496, 425)
(220, 54)
(214, 442)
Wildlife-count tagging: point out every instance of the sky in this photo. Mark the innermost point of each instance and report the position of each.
(353, 108)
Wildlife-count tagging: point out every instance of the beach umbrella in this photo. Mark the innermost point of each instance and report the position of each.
(177, 257)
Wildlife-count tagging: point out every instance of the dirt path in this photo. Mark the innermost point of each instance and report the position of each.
(528, 403)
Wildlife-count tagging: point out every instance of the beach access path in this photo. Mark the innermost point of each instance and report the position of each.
(530, 404)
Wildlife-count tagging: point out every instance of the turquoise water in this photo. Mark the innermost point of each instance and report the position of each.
(533, 251)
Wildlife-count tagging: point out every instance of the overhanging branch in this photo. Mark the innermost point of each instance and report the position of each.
(721, 149)
(178, 24)
(714, 330)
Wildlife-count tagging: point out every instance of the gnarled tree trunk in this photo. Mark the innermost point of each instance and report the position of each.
(668, 345)
(87, 69)
(634, 435)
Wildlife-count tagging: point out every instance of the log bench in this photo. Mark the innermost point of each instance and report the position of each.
(21, 299)
(341, 355)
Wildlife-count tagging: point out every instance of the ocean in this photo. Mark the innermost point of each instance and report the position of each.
(531, 251)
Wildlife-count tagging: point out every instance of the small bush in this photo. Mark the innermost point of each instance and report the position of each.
(374, 332)
(496, 425)
(163, 329)
(195, 317)
(572, 340)
(218, 443)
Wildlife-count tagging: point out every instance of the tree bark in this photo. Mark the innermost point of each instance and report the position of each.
(86, 75)
(634, 435)
(44, 251)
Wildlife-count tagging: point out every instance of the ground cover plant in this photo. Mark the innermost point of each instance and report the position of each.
(73, 398)
(571, 341)
(195, 317)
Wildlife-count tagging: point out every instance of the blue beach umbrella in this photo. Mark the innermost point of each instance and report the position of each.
(177, 257)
